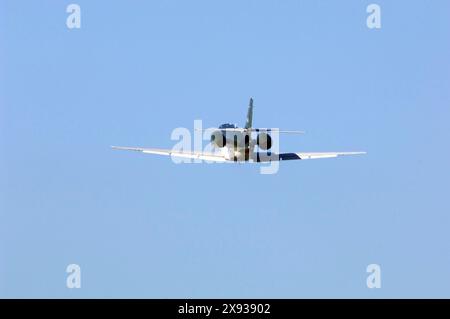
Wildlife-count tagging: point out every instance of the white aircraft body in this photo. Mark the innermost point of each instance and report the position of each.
(236, 144)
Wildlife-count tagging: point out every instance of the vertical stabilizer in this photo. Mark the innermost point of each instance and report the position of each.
(248, 122)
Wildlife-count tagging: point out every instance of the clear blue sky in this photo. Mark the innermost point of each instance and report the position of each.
(142, 226)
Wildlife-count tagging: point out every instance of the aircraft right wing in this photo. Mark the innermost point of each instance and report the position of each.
(267, 157)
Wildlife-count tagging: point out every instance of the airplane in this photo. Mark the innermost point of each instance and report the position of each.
(236, 144)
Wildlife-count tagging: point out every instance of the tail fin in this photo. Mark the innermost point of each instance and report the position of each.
(248, 122)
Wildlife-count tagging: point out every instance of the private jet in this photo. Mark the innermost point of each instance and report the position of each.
(235, 144)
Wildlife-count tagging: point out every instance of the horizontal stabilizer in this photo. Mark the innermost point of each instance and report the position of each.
(245, 130)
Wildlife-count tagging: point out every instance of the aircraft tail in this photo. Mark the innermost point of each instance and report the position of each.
(248, 122)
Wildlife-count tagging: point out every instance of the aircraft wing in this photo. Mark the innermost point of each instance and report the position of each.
(185, 154)
(264, 157)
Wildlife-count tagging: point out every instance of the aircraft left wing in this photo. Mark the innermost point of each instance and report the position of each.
(185, 154)
(264, 157)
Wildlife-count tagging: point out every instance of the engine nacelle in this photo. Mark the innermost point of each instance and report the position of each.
(264, 141)
(218, 139)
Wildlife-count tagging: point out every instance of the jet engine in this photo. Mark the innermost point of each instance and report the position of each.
(264, 141)
(218, 139)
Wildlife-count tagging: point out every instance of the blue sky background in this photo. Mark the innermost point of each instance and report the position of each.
(142, 226)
